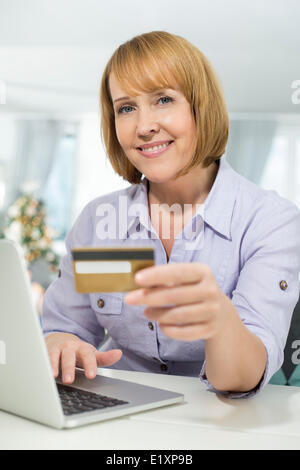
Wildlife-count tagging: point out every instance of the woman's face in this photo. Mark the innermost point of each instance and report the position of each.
(163, 115)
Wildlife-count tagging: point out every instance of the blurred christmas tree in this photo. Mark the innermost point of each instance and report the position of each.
(25, 223)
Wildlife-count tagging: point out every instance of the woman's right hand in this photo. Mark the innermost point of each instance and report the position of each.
(69, 351)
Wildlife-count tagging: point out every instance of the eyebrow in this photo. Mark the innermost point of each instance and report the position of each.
(157, 92)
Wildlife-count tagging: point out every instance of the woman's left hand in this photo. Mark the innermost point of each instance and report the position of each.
(184, 298)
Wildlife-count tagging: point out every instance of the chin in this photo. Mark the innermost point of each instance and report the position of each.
(160, 177)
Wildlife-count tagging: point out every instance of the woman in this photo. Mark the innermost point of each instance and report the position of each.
(220, 298)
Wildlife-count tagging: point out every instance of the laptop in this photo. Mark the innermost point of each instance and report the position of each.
(28, 388)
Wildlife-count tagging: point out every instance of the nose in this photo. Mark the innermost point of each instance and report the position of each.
(146, 123)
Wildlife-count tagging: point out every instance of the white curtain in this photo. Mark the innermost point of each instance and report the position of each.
(249, 146)
(36, 146)
(36, 151)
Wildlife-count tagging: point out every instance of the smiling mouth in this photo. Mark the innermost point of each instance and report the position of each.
(155, 147)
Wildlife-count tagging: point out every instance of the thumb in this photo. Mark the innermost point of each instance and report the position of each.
(108, 358)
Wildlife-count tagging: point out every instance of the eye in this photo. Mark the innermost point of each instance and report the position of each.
(122, 109)
(165, 98)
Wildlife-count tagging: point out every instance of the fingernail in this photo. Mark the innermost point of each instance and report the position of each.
(68, 378)
(139, 276)
(91, 374)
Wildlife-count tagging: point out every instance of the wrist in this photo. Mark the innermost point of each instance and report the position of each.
(55, 335)
(228, 319)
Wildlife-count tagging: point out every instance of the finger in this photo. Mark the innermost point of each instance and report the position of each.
(207, 290)
(68, 363)
(87, 360)
(108, 358)
(54, 356)
(174, 273)
(186, 314)
(158, 296)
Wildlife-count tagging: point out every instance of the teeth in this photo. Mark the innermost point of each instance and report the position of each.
(156, 147)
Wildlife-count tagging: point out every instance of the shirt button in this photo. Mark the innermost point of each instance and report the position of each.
(163, 367)
(150, 325)
(100, 303)
(283, 285)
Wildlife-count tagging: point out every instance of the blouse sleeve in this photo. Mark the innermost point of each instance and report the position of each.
(64, 309)
(268, 285)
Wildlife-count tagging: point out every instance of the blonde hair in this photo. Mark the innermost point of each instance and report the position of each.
(155, 60)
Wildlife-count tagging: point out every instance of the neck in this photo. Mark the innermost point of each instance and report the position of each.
(192, 188)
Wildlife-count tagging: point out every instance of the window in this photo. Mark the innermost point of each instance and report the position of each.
(297, 172)
(282, 171)
(59, 189)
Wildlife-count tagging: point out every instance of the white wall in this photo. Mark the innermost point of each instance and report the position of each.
(52, 52)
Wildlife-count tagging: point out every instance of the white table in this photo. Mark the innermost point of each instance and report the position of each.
(204, 420)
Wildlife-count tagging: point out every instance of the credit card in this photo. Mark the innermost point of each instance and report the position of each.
(110, 269)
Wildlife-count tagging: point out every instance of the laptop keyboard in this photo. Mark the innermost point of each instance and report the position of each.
(75, 400)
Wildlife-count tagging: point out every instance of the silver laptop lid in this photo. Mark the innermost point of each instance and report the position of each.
(27, 385)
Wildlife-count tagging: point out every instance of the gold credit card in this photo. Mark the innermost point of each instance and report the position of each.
(109, 269)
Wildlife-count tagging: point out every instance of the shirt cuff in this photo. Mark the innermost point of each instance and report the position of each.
(251, 393)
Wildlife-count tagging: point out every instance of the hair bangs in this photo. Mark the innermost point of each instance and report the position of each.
(144, 75)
